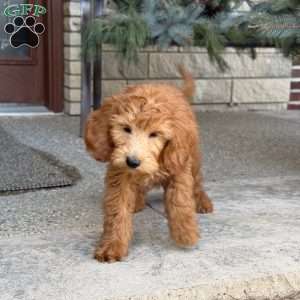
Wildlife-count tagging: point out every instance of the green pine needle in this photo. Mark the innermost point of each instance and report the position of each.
(127, 32)
(139, 23)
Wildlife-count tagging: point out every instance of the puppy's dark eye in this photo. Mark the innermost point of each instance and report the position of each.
(153, 134)
(127, 129)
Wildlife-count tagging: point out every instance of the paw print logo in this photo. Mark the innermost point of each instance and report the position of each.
(24, 32)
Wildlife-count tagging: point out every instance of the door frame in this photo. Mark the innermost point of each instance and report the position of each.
(55, 56)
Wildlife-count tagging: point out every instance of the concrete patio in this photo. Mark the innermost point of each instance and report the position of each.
(249, 247)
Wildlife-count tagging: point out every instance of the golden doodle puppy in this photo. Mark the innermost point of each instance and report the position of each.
(148, 134)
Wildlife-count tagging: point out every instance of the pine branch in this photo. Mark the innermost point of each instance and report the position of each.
(170, 23)
(127, 32)
(207, 34)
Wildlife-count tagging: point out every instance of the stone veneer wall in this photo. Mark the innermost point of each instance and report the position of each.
(263, 83)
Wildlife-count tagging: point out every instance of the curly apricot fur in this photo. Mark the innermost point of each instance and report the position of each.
(153, 123)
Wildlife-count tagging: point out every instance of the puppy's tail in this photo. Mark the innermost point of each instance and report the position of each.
(188, 87)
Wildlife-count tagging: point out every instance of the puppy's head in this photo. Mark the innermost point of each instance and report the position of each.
(138, 134)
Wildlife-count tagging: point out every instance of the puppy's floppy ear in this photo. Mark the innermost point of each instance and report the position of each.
(176, 152)
(97, 136)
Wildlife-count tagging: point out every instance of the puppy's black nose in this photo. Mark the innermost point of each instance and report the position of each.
(132, 162)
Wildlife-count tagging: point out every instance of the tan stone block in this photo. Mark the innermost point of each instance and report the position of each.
(72, 53)
(269, 50)
(174, 82)
(72, 67)
(164, 65)
(296, 60)
(72, 108)
(72, 81)
(72, 39)
(72, 24)
(261, 90)
(207, 91)
(72, 9)
(197, 49)
(114, 68)
(169, 49)
(155, 48)
(152, 48)
(192, 49)
(72, 94)
(265, 65)
(213, 91)
(111, 87)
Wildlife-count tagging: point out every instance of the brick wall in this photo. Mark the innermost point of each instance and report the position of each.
(72, 64)
(295, 85)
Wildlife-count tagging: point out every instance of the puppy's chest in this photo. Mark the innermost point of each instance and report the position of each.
(150, 181)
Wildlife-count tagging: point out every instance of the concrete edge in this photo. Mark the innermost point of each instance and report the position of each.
(275, 286)
(250, 181)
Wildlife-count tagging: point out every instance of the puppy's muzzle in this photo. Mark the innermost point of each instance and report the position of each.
(132, 162)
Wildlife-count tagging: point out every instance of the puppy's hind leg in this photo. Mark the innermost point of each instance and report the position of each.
(204, 204)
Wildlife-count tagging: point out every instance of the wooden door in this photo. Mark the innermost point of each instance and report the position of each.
(22, 63)
(31, 65)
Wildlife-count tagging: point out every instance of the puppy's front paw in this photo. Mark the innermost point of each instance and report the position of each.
(185, 234)
(186, 240)
(204, 205)
(110, 252)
